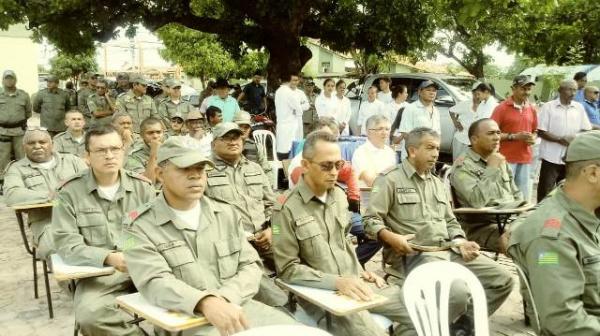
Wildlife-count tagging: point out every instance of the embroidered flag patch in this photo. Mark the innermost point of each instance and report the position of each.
(547, 258)
(552, 223)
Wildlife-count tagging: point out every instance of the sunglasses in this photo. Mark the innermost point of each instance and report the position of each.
(328, 165)
(177, 121)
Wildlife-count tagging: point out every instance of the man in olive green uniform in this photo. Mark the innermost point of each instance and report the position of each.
(52, 103)
(173, 104)
(310, 245)
(101, 105)
(34, 179)
(189, 253)
(142, 158)
(481, 177)
(15, 109)
(251, 150)
(71, 141)
(164, 94)
(123, 123)
(136, 103)
(87, 226)
(408, 200)
(82, 95)
(557, 246)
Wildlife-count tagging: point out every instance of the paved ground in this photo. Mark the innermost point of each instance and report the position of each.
(23, 315)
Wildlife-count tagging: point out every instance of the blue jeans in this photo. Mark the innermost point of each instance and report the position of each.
(522, 173)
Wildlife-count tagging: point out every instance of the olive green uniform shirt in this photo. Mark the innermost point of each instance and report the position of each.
(175, 266)
(139, 108)
(406, 203)
(65, 143)
(52, 107)
(137, 160)
(98, 103)
(167, 109)
(558, 248)
(82, 105)
(87, 227)
(246, 187)
(15, 109)
(309, 238)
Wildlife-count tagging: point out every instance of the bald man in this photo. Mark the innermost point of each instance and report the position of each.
(34, 179)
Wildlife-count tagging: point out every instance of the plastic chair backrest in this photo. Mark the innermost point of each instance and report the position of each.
(260, 137)
(525, 280)
(445, 173)
(427, 293)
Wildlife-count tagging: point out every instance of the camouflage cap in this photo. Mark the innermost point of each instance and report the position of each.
(9, 73)
(194, 115)
(225, 127)
(585, 146)
(522, 80)
(139, 79)
(242, 118)
(122, 76)
(176, 150)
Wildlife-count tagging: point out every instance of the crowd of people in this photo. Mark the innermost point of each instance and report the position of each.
(180, 201)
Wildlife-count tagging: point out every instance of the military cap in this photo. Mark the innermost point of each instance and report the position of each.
(140, 80)
(242, 118)
(173, 83)
(194, 115)
(428, 83)
(8, 73)
(175, 150)
(585, 146)
(225, 127)
(177, 115)
(522, 80)
(122, 75)
(52, 78)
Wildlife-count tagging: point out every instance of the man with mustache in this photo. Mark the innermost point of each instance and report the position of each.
(481, 178)
(243, 184)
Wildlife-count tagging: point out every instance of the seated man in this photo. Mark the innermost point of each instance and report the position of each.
(188, 253)
(557, 246)
(408, 200)
(309, 241)
(87, 227)
(34, 178)
(374, 156)
(481, 178)
(251, 150)
(123, 123)
(214, 116)
(71, 140)
(197, 137)
(142, 158)
(176, 125)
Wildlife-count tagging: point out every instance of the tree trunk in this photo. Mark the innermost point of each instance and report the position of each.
(286, 56)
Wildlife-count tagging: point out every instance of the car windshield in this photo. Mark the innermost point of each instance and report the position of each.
(461, 87)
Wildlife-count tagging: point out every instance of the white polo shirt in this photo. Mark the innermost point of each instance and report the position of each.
(369, 158)
(416, 115)
(368, 109)
(560, 120)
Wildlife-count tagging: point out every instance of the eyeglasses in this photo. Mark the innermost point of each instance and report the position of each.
(328, 165)
(105, 151)
(380, 129)
(177, 121)
(37, 128)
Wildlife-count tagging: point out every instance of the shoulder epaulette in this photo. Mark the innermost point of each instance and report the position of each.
(135, 214)
(8, 165)
(390, 169)
(72, 178)
(58, 135)
(281, 199)
(551, 227)
(138, 176)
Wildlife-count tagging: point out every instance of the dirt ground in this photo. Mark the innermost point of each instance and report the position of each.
(23, 315)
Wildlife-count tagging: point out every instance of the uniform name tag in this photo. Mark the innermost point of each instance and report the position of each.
(591, 259)
(251, 174)
(304, 220)
(406, 190)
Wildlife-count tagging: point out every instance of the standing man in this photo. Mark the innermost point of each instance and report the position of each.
(142, 158)
(560, 121)
(408, 200)
(254, 94)
(581, 79)
(188, 253)
(557, 246)
(87, 231)
(251, 150)
(226, 103)
(518, 123)
(311, 249)
(15, 109)
(123, 84)
(34, 179)
(591, 105)
(289, 112)
(164, 93)
(136, 103)
(369, 108)
(385, 93)
(52, 103)
(422, 112)
(481, 177)
(173, 104)
(307, 98)
(463, 114)
(101, 105)
(71, 141)
(88, 87)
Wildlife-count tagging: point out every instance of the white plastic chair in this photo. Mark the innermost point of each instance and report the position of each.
(535, 324)
(260, 137)
(427, 292)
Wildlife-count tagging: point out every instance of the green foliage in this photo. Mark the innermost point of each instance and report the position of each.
(68, 66)
(10, 13)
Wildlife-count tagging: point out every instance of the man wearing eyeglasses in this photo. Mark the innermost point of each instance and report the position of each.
(142, 158)
(137, 104)
(34, 179)
(173, 105)
(374, 156)
(311, 249)
(87, 225)
(101, 105)
(243, 184)
(590, 104)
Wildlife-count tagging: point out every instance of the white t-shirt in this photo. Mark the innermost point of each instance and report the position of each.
(109, 192)
(416, 115)
(486, 108)
(391, 110)
(560, 120)
(369, 158)
(204, 144)
(368, 109)
(343, 113)
(190, 217)
(385, 98)
(47, 165)
(466, 116)
(326, 106)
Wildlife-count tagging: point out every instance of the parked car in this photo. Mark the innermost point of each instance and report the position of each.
(452, 89)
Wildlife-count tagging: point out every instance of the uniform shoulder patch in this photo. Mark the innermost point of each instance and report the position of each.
(135, 214)
(548, 258)
(551, 227)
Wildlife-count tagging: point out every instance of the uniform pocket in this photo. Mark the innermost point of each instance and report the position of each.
(93, 228)
(410, 205)
(591, 271)
(254, 185)
(34, 182)
(220, 188)
(178, 255)
(442, 204)
(228, 252)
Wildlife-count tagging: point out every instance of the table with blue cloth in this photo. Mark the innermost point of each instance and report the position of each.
(348, 144)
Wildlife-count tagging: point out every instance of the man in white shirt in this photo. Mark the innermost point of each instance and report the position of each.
(422, 112)
(385, 95)
(374, 156)
(288, 109)
(559, 122)
(369, 108)
(463, 114)
(400, 94)
(485, 94)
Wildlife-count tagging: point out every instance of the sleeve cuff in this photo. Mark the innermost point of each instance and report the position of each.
(193, 297)
(98, 255)
(373, 231)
